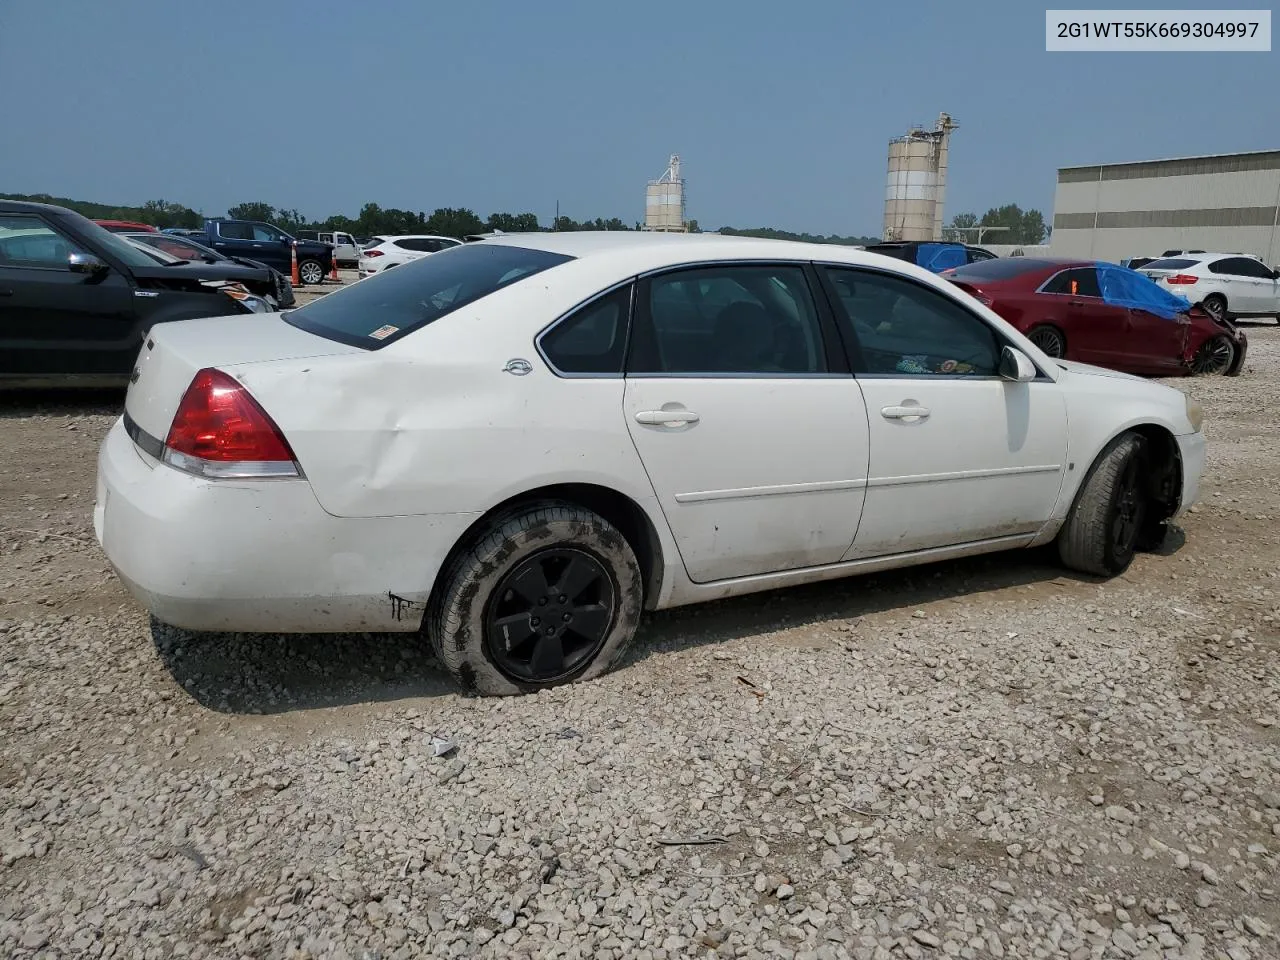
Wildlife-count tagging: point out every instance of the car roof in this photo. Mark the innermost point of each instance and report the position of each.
(404, 236)
(29, 206)
(1208, 255)
(586, 243)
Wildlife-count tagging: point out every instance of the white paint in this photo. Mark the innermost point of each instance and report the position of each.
(404, 447)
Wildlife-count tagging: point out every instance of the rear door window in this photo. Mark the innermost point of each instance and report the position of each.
(738, 320)
(1079, 282)
(235, 231)
(372, 315)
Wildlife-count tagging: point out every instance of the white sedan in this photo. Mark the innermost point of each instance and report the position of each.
(383, 253)
(517, 446)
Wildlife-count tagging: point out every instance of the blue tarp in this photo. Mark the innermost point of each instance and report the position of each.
(1125, 288)
(940, 256)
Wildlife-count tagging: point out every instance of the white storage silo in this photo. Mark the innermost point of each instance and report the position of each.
(916, 183)
(664, 201)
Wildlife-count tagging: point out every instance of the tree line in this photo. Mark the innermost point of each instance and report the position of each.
(1026, 227)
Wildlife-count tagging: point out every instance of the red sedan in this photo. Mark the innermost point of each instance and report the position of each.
(1103, 314)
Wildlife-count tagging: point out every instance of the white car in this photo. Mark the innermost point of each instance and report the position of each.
(518, 446)
(1225, 285)
(383, 253)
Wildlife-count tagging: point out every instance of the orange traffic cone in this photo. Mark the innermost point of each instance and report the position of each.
(296, 278)
(333, 268)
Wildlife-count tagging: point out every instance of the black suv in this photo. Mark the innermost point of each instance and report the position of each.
(76, 300)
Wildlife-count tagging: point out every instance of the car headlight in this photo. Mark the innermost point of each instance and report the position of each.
(238, 292)
(1195, 413)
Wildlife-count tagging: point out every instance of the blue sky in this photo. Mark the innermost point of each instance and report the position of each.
(780, 111)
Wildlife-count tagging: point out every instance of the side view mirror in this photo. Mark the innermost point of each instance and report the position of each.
(1016, 366)
(85, 263)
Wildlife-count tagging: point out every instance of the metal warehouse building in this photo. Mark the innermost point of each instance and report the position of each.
(1228, 203)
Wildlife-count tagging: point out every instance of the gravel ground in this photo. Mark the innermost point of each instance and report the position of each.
(987, 758)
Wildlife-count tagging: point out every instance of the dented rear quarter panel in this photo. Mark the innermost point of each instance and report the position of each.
(433, 424)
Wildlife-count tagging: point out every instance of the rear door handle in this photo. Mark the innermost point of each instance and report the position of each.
(667, 418)
(5, 292)
(904, 413)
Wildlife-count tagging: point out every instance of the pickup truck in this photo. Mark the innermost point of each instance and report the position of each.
(345, 248)
(76, 300)
(251, 240)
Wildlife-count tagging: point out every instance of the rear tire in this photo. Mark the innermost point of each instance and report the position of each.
(550, 594)
(311, 272)
(1102, 531)
(1215, 305)
(1051, 341)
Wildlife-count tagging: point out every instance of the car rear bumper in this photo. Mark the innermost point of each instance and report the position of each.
(1191, 452)
(260, 556)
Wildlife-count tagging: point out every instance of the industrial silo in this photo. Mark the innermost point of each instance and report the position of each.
(664, 201)
(917, 182)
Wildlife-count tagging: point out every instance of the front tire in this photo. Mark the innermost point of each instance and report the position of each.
(1216, 357)
(551, 594)
(1102, 531)
(311, 272)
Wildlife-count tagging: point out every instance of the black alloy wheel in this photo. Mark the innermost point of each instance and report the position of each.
(1214, 357)
(1049, 341)
(550, 615)
(1129, 509)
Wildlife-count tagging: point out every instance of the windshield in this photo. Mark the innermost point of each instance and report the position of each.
(115, 245)
(159, 256)
(382, 309)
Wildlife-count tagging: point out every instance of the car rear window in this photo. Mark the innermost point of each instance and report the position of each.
(1000, 268)
(1172, 263)
(382, 309)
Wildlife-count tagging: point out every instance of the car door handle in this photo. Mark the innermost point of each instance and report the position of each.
(667, 418)
(5, 292)
(905, 413)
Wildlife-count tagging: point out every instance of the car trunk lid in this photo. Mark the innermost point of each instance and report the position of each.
(173, 353)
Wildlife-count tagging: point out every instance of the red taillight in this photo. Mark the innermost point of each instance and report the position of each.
(220, 431)
(372, 253)
(1181, 278)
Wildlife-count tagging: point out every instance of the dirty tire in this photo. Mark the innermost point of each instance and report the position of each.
(1215, 305)
(311, 272)
(1049, 339)
(1097, 538)
(457, 622)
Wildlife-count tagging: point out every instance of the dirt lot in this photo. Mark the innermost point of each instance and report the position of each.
(982, 758)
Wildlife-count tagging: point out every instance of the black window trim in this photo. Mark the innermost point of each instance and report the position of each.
(1002, 341)
(573, 312)
(828, 330)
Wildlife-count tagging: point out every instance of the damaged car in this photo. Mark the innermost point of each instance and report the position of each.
(513, 449)
(1104, 314)
(76, 300)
